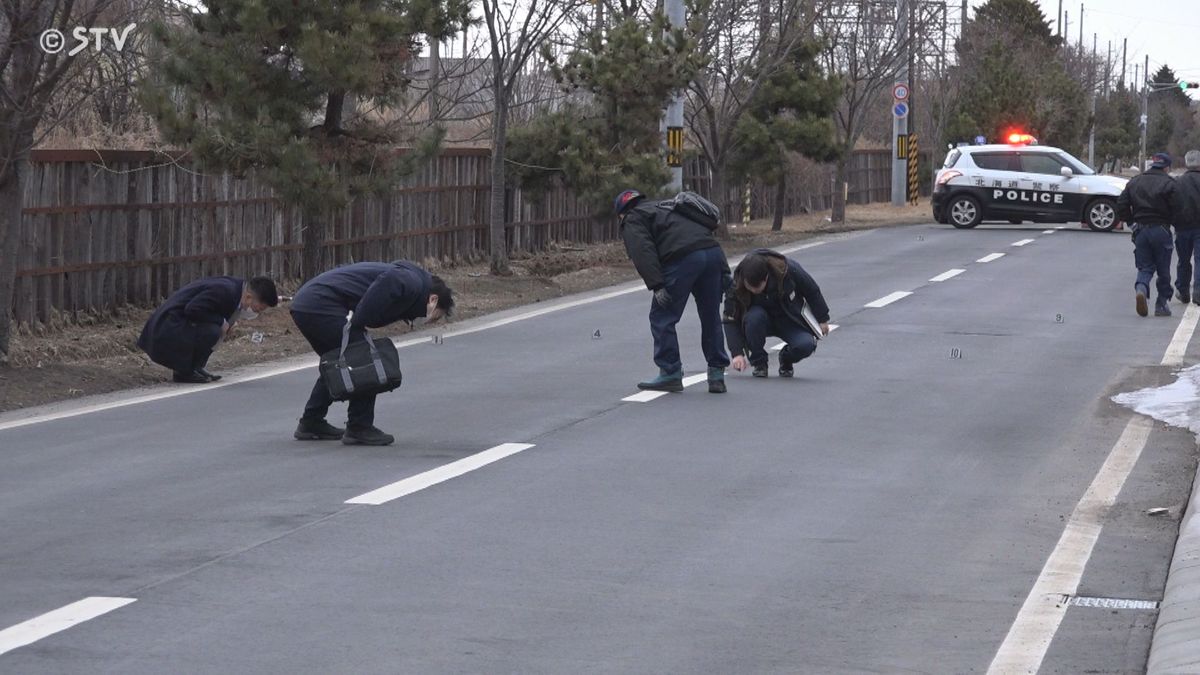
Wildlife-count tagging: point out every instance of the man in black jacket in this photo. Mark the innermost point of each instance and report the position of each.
(767, 298)
(184, 330)
(1146, 204)
(1187, 229)
(676, 257)
(378, 294)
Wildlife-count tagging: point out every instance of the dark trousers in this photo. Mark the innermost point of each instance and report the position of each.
(759, 324)
(207, 335)
(1187, 247)
(1152, 253)
(324, 333)
(698, 274)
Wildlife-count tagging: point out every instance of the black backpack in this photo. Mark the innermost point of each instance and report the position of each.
(695, 208)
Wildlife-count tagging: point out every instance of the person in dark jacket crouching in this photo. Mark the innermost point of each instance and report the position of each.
(767, 298)
(1187, 230)
(378, 294)
(1146, 204)
(676, 257)
(183, 332)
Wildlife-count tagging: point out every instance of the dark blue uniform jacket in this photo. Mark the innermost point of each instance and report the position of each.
(377, 293)
(170, 335)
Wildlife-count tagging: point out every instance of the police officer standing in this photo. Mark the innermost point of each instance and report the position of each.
(1187, 229)
(1146, 204)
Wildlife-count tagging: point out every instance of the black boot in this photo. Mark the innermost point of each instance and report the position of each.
(1140, 302)
(317, 430)
(190, 378)
(760, 371)
(368, 436)
(210, 376)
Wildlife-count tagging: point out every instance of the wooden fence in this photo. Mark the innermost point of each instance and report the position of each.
(106, 229)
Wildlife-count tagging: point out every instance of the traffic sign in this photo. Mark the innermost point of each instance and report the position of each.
(900, 91)
(900, 110)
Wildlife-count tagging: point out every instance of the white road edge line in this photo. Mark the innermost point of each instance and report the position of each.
(948, 275)
(1183, 335)
(888, 299)
(441, 474)
(1023, 242)
(990, 257)
(28, 632)
(1036, 624)
(307, 364)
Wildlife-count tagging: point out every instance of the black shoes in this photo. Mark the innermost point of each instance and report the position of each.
(368, 436)
(760, 371)
(193, 377)
(785, 370)
(1161, 308)
(1184, 296)
(320, 430)
(1140, 302)
(210, 376)
(664, 382)
(716, 381)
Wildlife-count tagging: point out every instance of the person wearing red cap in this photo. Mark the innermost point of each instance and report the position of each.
(1146, 204)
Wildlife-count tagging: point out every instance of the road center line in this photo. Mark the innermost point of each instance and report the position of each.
(990, 257)
(441, 474)
(1023, 242)
(948, 275)
(28, 632)
(1049, 231)
(1030, 636)
(888, 299)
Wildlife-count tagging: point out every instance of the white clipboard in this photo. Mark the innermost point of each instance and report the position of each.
(806, 313)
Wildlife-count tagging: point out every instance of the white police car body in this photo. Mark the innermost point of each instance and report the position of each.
(1019, 182)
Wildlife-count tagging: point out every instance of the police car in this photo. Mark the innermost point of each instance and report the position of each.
(1023, 181)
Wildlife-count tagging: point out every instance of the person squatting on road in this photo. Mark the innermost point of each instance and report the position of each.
(1186, 209)
(183, 332)
(378, 294)
(767, 298)
(1145, 204)
(676, 256)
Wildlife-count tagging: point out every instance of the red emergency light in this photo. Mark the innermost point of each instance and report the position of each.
(1021, 139)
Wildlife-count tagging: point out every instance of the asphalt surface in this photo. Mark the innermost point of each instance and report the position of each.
(888, 510)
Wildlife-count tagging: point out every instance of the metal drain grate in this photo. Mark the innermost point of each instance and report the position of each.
(1109, 603)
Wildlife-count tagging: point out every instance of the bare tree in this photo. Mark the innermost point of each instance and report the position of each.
(864, 49)
(35, 73)
(516, 30)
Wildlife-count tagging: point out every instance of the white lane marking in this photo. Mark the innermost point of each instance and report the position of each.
(306, 364)
(948, 275)
(1183, 335)
(28, 632)
(1049, 231)
(888, 299)
(695, 379)
(644, 396)
(781, 345)
(1023, 242)
(990, 257)
(441, 474)
(1031, 633)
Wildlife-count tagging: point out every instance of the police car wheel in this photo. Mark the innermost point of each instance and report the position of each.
(1101, 215)
(965, 212)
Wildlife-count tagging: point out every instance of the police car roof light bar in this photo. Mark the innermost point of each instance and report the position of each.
(1021, 139)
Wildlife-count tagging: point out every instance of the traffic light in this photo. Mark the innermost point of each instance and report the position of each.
(1189, 85)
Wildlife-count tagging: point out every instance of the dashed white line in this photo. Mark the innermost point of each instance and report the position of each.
(441, 474)
(990, 257)
(948, 275)
(28, 632)
(1023, 242)
(888, 299)
(1049, 231)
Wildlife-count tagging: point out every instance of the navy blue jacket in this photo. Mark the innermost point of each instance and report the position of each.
(788, 288)
(377, 293)
(1148, 199)
(169, 336)
(655, 235)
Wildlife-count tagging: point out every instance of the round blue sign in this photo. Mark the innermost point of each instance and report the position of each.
(900, 110)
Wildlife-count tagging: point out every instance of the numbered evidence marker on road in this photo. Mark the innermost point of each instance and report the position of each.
(596, 335)
(437, 340)
(256, 338)
(1058, 318)
(956, 353)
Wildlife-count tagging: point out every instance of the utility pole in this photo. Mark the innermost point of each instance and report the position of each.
(1095, 85)
(1145, 109)
(1108, 69)
(1059, 29)
(1124, 51)
(674, 116)
(899, 122)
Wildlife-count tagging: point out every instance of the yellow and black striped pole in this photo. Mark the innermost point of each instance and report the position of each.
(746, 207)
(914, 187)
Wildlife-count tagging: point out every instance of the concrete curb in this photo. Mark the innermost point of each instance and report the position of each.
(1175, 647)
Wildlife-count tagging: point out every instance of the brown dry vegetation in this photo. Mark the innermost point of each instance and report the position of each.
(98, 354)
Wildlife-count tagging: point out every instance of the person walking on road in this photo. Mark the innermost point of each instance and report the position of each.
(676, 256)
(767, 298)
(1146, 204)
(378, 294)
(183, 332)
(1187, 229)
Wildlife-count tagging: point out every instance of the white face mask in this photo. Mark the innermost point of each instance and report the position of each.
(245, 314)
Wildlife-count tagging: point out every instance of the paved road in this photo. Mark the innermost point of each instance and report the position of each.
(889, 510)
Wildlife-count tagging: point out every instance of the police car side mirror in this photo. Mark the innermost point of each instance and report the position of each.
(1066, 172)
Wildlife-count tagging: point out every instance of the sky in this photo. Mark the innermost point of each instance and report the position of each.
(1166, 30)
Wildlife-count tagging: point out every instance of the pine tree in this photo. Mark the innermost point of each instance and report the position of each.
(272, 86)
